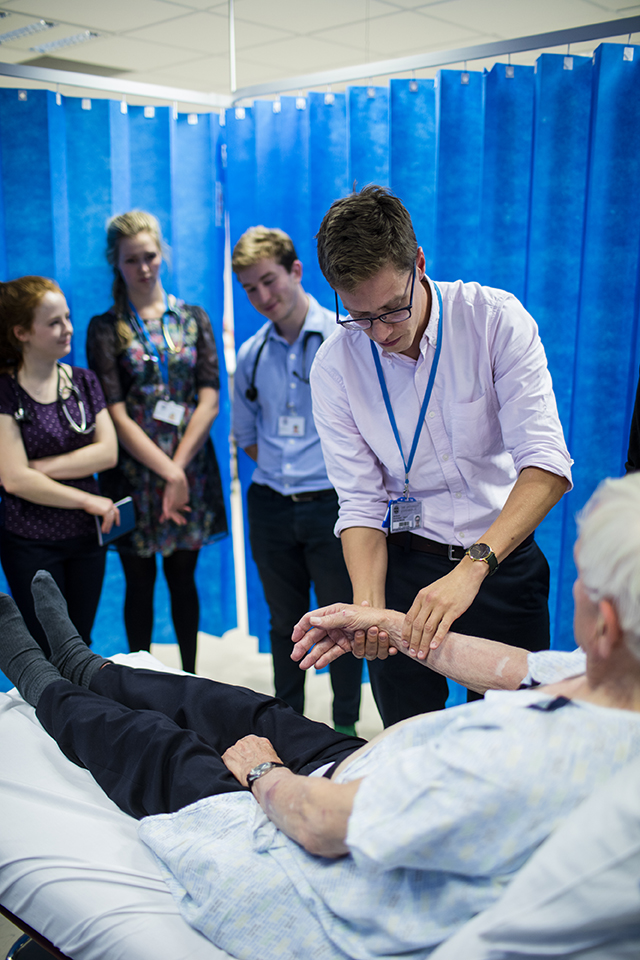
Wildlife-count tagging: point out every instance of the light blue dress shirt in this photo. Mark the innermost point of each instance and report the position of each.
(286, 464)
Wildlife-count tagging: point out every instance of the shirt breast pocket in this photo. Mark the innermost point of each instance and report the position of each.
(475, 429)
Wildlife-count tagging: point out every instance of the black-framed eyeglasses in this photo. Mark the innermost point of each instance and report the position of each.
(395, 316)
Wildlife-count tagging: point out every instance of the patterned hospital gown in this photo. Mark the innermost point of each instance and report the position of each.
(452, 804)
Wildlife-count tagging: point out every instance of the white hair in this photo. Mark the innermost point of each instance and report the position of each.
(609, 551)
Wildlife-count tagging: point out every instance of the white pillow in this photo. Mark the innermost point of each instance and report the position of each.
(579, 895)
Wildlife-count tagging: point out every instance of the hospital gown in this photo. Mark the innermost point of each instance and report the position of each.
(452, 804)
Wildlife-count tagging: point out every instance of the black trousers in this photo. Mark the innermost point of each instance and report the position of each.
(77, 566)
(293, 545)
(512, 607)
(154, 741)
(140, 576)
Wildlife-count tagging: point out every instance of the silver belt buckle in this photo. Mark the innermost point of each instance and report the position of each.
(450, 548)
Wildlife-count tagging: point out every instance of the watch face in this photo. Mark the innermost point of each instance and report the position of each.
(260, 769)
(479, 551)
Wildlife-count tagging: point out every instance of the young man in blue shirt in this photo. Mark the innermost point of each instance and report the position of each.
(292, 506)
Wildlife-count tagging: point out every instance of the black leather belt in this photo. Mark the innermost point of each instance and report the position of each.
(306, 497)
(310, 495)
(453, 551)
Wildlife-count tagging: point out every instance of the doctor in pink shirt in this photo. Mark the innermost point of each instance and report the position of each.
(440, 432)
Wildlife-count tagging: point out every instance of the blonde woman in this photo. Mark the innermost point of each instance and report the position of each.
(156, 359)
(55, 434)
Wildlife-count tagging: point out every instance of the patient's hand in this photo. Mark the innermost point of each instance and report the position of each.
(323, 635)
(246, 754)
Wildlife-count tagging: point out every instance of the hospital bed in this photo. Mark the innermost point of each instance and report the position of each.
(71, 864)
(73, 869)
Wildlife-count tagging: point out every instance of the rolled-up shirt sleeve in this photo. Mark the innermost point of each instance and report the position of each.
(353, 468)
(528, 413)
(245, 412)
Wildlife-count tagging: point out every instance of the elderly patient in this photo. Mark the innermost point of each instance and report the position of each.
(341, 849)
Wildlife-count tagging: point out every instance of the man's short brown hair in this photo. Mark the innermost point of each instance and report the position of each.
(263, 243)
(362, 233)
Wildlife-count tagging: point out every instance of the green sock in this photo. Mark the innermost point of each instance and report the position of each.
(349, 730)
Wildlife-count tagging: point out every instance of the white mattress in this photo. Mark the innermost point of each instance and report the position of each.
(71, 863)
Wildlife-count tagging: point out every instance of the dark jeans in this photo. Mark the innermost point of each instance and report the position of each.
(140, 575)
(153, 741)
(512, 607)
(77, 566)
(293, 545)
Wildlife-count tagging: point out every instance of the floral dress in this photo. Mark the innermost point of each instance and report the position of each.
(130, 375)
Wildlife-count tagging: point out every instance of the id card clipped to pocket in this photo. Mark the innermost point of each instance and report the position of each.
(403, 514)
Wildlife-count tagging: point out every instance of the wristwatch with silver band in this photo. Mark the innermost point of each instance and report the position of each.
(260, 770)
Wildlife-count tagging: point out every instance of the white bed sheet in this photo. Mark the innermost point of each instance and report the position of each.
(71, 863)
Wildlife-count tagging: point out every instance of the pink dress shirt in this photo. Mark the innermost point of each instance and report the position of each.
(492, 413)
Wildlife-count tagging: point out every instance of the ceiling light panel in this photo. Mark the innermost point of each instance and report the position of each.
(116, 16)
(66, 41)
(36, 27)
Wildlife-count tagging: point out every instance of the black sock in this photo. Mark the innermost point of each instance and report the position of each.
(21, 658)
(69, 652)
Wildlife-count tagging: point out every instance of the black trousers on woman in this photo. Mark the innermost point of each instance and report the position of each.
(154, 741)
(77, 566)
(140, 576)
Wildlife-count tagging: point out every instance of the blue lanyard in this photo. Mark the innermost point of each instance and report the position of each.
(161, 358)
(425, 402)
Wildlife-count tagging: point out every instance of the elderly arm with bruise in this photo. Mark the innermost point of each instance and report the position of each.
(325, 634)
(313, 811)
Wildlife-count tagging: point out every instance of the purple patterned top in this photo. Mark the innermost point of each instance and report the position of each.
(48, 434)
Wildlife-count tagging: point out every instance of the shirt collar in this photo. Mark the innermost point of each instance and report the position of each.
(313, 323)
(430, 335)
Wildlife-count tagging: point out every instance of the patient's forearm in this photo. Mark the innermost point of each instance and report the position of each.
(322, 635)
(312, 811)
(472, 661)
(478, 664)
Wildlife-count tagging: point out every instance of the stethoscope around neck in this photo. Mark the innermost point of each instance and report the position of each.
(22, 415)
(251, 393)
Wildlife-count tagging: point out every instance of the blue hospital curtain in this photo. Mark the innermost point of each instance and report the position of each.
(67, 165)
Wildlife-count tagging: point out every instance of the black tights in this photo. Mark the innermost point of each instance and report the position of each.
(140, 575)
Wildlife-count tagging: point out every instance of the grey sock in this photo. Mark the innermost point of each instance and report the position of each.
(21, 659)
(69, 652)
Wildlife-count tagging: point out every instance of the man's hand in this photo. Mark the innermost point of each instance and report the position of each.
(246, 754)
(439, 604)
(323, 635)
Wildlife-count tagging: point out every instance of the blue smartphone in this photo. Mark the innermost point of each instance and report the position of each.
(127, 522)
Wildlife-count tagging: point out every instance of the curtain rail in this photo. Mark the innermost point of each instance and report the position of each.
(594, 31)
(114, 85)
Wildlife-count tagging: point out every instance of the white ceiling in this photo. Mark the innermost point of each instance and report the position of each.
(185, 43)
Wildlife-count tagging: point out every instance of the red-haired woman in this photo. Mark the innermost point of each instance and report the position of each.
(55, 434)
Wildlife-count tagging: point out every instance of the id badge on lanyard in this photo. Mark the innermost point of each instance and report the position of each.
(165, 410)
(405, 513)
(169, 412)
(291, 426)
